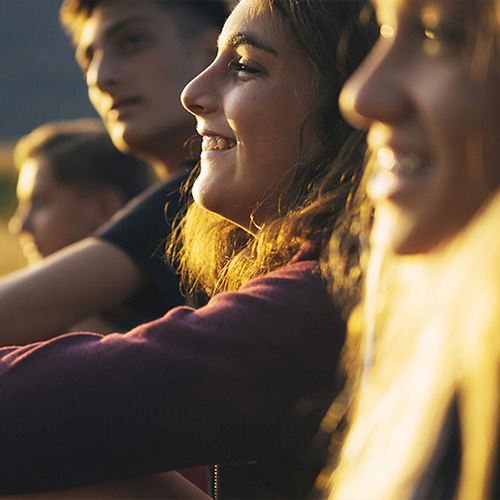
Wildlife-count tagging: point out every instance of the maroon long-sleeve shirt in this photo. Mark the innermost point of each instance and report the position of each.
(237, 380)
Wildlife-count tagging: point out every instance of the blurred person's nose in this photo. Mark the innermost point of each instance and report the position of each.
(103, 72)
(378, 89)
(20, 222)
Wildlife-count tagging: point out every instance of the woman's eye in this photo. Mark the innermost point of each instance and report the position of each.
(447, 32)
(444, 35)
(243, 70)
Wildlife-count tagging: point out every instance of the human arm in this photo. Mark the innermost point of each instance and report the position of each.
(227, 382)
(96, 274)
(47, 298)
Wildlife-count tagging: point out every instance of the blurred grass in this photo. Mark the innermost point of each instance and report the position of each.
(11, 257)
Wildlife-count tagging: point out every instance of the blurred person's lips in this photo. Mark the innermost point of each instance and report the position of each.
(121, 107)
(401, 170)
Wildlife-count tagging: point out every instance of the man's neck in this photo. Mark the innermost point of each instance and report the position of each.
(171, 155)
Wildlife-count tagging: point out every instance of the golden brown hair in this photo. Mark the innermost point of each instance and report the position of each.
(192, 17)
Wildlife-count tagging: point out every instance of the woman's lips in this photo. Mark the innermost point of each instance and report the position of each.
(396, 174)
(406, 165)
(213, 143)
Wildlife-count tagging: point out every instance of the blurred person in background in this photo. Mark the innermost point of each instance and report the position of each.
(136, 57)
(71, 180)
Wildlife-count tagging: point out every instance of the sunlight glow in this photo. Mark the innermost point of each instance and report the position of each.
(386, 31)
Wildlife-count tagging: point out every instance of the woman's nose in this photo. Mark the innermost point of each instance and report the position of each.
(377, 89)
(201, 95)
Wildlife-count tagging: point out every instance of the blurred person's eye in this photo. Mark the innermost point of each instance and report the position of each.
(39, 201)
(131, 40)
(449, 30)
(447, 33)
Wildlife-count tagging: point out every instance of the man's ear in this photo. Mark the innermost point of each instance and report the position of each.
(106, 202)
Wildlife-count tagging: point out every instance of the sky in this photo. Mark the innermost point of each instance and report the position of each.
(39, 78)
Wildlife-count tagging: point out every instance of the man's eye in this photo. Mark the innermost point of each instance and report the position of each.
(38, 202)
(132, 40)
(84, 61)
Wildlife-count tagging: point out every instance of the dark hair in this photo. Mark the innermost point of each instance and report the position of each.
(80, 153)
(329, 35)
(190, 16)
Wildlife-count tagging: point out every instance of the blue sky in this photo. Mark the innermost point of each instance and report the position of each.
(39, 79)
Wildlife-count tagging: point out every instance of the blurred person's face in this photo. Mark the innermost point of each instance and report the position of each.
(136, 65)
(249, 105)
(50, 214)
(430, 100)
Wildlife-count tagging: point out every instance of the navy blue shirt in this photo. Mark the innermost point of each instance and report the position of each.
(140, 230)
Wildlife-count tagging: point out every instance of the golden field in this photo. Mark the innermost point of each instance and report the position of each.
(11, 257)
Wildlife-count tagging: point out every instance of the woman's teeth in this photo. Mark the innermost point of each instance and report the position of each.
(213, 143)
(387, 162)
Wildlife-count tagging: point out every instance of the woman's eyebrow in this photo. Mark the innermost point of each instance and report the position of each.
(237, 39)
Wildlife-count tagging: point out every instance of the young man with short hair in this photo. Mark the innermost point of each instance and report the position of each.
(137, 56)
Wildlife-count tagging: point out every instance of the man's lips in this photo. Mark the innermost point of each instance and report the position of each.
(120, 106)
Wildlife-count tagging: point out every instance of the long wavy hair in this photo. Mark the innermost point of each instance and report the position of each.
(214, 254)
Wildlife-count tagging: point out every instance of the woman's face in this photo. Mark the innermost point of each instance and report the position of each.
(249, 105)
(430, 97)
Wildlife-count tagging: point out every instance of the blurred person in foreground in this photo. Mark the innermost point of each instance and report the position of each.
(71, 181)
(423, 350)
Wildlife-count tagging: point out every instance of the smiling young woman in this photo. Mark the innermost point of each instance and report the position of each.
(424, 337)
(267, 112)
(431, 106)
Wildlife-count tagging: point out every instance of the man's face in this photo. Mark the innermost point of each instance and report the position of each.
(136, 65)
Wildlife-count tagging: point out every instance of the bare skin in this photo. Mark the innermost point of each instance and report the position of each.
(47, 290)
